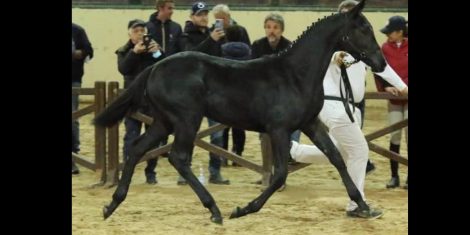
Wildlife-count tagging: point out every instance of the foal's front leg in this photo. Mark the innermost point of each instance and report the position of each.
(280, 148)
(317, 133)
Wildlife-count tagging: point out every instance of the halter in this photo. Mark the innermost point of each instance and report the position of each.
(345, 79)
(348, 91)
(362, 54)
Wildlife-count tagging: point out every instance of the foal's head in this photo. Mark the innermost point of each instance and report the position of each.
(358, 39)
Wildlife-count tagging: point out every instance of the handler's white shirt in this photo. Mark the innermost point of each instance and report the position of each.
(357, 76)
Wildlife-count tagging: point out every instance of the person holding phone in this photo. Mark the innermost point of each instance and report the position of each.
(198, 37)
(137, 54)
(223, 20)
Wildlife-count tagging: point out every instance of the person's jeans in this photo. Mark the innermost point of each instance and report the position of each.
(295, 136)
(218, 140)
(75, 124)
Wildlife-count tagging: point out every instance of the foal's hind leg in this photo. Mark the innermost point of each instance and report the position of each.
(181, 151)
(280, 148)
(316, 131)
(152, 136)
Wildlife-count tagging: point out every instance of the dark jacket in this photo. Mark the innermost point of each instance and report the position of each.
(244, 38)
(172, 34)
(261, 47)
(236, 51)
(81, 43)
(193, 39)
(131, 64)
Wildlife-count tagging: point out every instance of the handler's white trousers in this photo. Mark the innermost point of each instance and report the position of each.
(347, 137)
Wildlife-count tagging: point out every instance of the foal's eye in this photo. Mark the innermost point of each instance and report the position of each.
(367, 26)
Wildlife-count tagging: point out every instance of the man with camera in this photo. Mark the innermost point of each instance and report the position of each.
(139, 52)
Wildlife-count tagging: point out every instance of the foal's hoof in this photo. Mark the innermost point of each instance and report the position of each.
(236, 213)
(217, 219)
(106, 212)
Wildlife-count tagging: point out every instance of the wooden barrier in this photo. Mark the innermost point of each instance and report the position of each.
(379, 133)
(99, 165)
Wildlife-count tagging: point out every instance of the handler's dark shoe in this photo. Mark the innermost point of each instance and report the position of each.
(217, 179)
(365, 214)
(393, 183)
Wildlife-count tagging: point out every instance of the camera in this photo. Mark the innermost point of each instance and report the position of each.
(147, 40)
(219, 24)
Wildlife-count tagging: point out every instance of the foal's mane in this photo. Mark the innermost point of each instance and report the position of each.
(307, 33)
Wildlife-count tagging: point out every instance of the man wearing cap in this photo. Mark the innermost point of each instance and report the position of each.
(198, 37)
(133, 58)
(345, 133)
(163, 30)
(81, 51)
(395, 51)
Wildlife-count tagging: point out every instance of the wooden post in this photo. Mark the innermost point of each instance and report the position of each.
(113, 141)
(100, 132)
(267, 154)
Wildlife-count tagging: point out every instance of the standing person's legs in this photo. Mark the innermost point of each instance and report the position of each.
(133, 129)
(225, 137)
(149, 170)
(239, 138)
(395, 114)
(75, 124)
(214, 160)
(75, 128)
(406, 136)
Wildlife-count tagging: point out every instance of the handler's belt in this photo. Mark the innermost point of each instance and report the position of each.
(328, 97)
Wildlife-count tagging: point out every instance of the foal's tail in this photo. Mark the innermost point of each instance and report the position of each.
(129, 101)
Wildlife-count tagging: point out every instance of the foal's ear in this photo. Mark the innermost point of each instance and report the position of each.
(357, 9)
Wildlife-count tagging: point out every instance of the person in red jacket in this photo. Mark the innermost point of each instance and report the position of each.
(395, 50)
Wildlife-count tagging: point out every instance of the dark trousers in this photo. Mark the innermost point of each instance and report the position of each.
(75, 124)
(238, 140)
